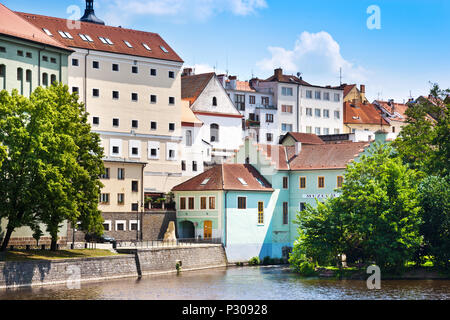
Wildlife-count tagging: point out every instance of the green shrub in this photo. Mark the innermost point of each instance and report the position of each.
(307, 269)
(254, 261)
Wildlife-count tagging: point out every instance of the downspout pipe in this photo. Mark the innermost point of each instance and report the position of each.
(225, 216)
(85, 79)
(298, 107)
(142, 201)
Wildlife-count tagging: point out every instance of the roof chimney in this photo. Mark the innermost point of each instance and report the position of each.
(89, 14)
(278, 72)
(363, 88)
(233, 82)
(187, 72)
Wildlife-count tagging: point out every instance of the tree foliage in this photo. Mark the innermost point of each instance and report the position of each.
(51, 173)
(374, 220)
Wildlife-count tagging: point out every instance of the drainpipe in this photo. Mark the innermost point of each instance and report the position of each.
(298, 108)
(60, 67)
(225, 216)
(142, 201)
(39, 66)
(85, 80)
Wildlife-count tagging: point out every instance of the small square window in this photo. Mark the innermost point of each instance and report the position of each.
(75, 62)
(75, 89)
(134, 69)
(134, 124)
(95, 64)
(95, 92)
(115, 67)
(29, 55)
(53, 60)
(115, 150)
(153, 125)
(171, 74)
(20, 53)
(135, 151)
(171, 126)
(115, 95)
(134, 207)
(153, 98)
(153, 72)
(134, 97)
(115, 122)
(96, 120)
(171, 100)
(153, 152)
(45, 58)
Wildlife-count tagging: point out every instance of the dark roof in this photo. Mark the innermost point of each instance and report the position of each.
(225, 177)
(116, 34)
(193, 86)
(359, 113)
(12, 24)
(287, 79)
(346, 87)
(304, 138)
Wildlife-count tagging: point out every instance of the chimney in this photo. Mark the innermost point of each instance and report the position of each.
(278, 72)
(187, 72)
(392, 105)
(233, 82)
(221, 78)
(298, 148)
(362, 90)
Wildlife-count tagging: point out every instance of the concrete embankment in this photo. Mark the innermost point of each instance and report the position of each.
(133, 263)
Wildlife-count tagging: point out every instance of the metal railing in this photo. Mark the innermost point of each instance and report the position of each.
(161, 244)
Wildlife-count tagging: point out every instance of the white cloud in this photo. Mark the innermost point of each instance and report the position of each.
(317, 56)
(122, 11)
(204, 68)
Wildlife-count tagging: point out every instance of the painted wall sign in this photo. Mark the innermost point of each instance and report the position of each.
(320, 196)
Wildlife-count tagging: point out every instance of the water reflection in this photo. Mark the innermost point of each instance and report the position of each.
(269, 283)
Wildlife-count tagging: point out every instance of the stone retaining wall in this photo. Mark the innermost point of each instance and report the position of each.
(134, 264)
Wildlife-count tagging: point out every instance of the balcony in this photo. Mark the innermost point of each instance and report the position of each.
(252, 123)
(265, 107)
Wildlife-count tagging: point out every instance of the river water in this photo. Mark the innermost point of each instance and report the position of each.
(246, 283)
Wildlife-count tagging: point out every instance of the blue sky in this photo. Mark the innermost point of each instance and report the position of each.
(316, 38)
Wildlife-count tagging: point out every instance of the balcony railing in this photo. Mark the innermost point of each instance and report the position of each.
(252, 123)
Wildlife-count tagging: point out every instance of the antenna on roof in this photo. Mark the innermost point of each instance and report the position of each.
(340, 76)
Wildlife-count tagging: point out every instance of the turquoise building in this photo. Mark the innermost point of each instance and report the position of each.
(251, 202)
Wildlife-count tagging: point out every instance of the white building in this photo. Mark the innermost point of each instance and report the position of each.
(260, 114)
(303, 107)
(222, 122)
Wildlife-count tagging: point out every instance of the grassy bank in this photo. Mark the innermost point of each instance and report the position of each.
(55, 255)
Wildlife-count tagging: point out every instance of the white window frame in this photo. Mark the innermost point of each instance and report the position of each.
(120, 222)
(115, 143)
(134, 144)
(171, 146)
(134, 221)
(154, 145)
(108, 222)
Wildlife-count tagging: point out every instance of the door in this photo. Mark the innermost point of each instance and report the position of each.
(207, 230)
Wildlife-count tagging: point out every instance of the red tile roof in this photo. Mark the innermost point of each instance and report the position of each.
(287, 79)
(225, 177)
(359, 113)
(12, 24)
(396, 110)
(277, 154)
(193, 86)
(115, 34)
(304, 138)
(327, 156)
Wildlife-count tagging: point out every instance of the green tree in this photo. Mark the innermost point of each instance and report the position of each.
(374, 220)
(434, 196)
(51, 173)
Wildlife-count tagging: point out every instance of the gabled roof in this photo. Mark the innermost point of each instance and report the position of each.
(287, 79)
(347, 88)
(326, 156)
(226, 177)
(193, 86)
(117, 36)
(304, 138)
(12, 24)
(396, 111)
(359, 113)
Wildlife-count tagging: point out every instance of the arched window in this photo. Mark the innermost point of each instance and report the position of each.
(19, 74)
(53, 78)
(214, 132)
(45, 79)
(214, 102)
(188, 138)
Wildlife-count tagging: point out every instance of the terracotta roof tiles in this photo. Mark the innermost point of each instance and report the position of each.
(359, 113)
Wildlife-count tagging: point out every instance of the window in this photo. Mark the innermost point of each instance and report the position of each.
(95, 65)
(212, 203)
(321, 182)
(302, 182)
(53, 78)
(214, 102)
(318, 131)
(204, 182)
(171, 75)
(286, 127)
(239, 100)
(134, 97)
(203, 203)
(260, 212)
(183, 165)
(337, 97)
(188, 138)
(153, 98)
(29, 55)
(75, 89)
(134, 69)
(146, 47)
(135, 186)
(340, 181)
(103, 40)
(336, 131)
(104, 198)
(265, 101)
(308, 129)
(134, 224)
(182, 203)
(120, 198)
(171, 100)
(107, 226)
(326, 96)
(115, 150)
(120, 225)
(302, 206)
(45, 79)
(171, 151)
(2, 49)
(45, 58)
(109, 41)
(121, 174)
(194, 166)
(128, 44)
(326, 131)
(95, 92)
(214, 131)
(115, 67)
(269, 118)
(20, 53)
(153, 125)
(153, 147)
(115, 95)
(134, 124)
(47, 32)
(318, 113)
(287, 91)
(19, 74)
(135, 151)
(269, 137)
(309, 112)
(96, 120)
(337, 114)
(164, 49)
(115, 122)
(191, 203)
(105, 175)
(53, 60)
(285, 182)
(153, 72)
(285, 213)
(252, 99)
(83, 37)
(171, 126)
(309, 94)
(286, 109)
(242, 203)
(88, 38)
(75, 62)
(326, 113)
(317, 95)
(393, 129)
